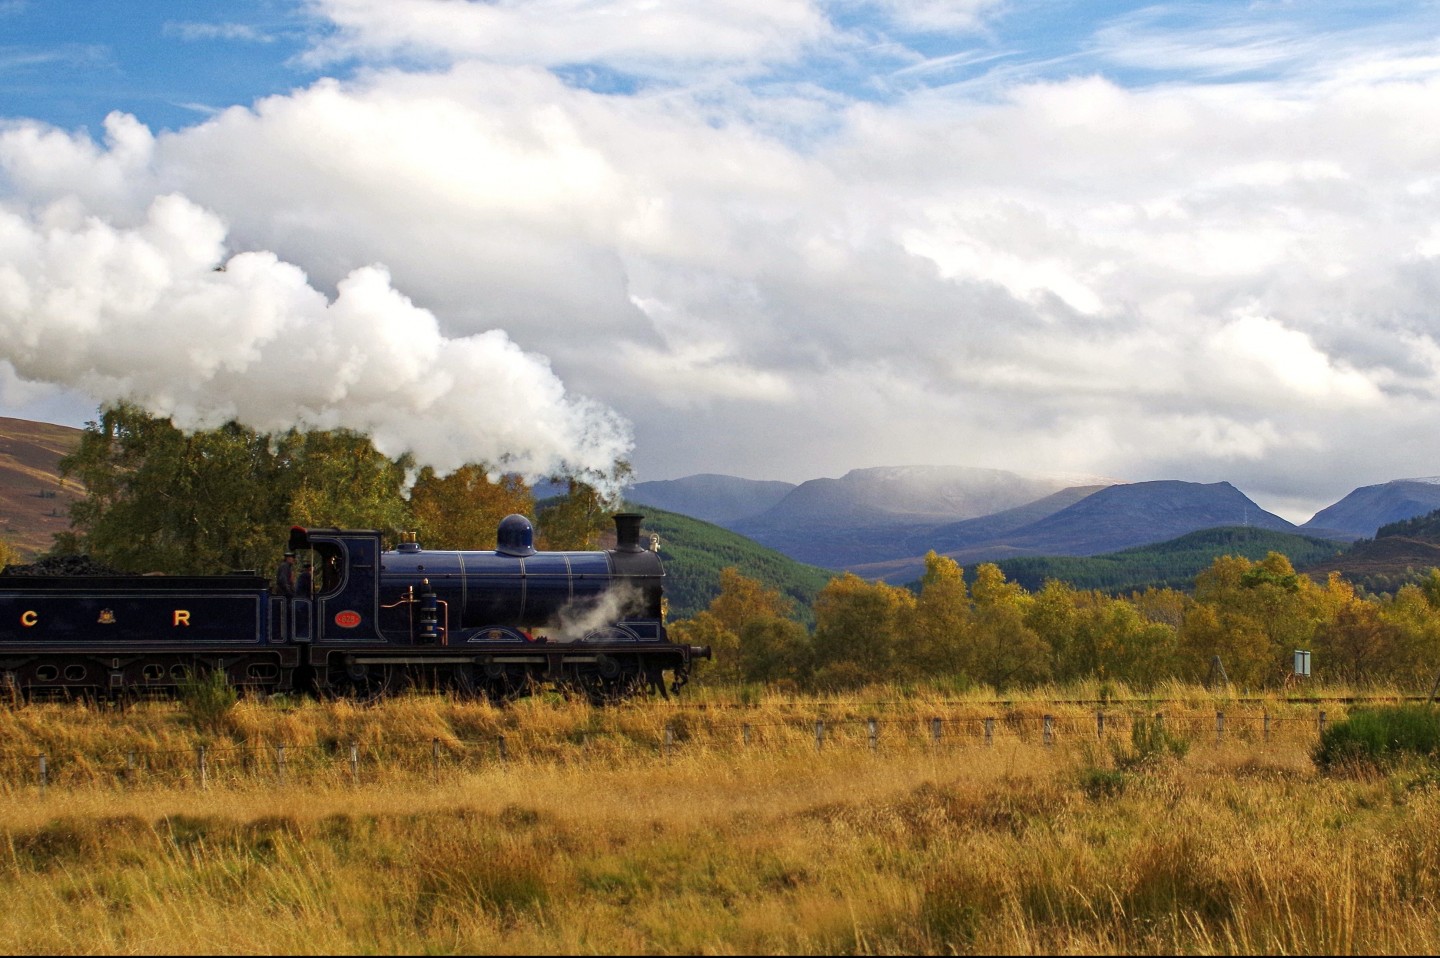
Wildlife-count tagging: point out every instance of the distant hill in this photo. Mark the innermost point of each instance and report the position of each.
(718, 499)
(1401, 552)
(1361, 513)
(694, 552)
(954, 537)
(1140, 513)
(1173, 564)
(1100, 521)
(34, 503)
(874, 515)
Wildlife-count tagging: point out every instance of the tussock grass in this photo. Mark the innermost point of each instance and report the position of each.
(592, 839)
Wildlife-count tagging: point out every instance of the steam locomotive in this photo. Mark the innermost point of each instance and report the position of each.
(501, 623)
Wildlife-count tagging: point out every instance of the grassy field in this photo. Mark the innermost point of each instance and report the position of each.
(592, 836)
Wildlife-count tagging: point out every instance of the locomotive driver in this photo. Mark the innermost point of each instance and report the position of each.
(285, 576)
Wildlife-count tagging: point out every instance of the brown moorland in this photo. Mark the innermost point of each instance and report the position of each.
(34, 501)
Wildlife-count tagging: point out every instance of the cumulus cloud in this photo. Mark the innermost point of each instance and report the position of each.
(767, 269)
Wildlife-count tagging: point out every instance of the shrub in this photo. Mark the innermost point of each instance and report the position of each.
(1379, 736)
(1150, 742)
(208, 699)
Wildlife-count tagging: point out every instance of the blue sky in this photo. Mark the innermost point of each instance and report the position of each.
(770, 238)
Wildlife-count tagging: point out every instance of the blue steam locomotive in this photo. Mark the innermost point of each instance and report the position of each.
(371, 621)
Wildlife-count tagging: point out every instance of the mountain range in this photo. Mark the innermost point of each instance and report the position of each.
(879, 523)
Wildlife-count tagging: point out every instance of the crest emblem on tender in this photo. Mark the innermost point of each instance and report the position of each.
(107, 617)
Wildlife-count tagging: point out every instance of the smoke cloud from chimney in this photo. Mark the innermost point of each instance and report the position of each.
(158, 314)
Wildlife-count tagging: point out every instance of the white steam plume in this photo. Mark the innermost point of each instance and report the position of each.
(157, 316)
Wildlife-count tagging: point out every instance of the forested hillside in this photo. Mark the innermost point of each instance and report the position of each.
(1173, 564)
(695, 552)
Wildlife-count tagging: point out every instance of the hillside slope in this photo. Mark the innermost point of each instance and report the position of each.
(694, 552)
(34, 503)
(1173, 564)
(1361, 513)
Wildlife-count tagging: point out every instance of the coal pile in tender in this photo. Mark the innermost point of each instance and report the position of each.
(62, 565)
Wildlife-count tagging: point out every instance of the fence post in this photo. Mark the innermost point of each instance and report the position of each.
(44, 773)
(355, 762)
(745, 734)
(669, 739)
(1266, 715)
(435, 756)
(1099, 724)
(504, 752)
(130, 766)
(819, 733)
(280, 762)
(935, 728)
(1049, 730)
(989, 732)
(874, 734)
(200, 769)
(1219, 726)
(1322, 721)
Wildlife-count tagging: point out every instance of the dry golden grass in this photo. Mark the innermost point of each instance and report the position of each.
(593, 838)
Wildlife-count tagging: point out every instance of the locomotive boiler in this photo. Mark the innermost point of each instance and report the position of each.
(503, 622)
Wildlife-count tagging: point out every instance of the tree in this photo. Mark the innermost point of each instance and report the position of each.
(1004, 651)
(463, 510)
(939, 627)
(750, 633)
(1253, 615)
(858, 628)
(773, 649)
(160, 500)
(339, 479)
(577, 519)
(742, 600)
(9, 555)
(706, 629)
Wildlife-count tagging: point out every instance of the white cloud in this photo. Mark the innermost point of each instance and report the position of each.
(641, 35)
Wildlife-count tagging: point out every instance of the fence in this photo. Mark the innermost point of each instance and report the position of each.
(351, 762)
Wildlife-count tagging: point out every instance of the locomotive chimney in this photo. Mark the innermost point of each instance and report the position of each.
(627, 531)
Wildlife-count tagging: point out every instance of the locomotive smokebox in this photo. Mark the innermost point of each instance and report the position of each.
(627, 532)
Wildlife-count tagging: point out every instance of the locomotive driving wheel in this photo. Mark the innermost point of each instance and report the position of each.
(359, 681)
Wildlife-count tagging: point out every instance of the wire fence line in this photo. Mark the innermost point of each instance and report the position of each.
(354, 762)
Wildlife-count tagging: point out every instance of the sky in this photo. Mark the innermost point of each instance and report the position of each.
(776, 239)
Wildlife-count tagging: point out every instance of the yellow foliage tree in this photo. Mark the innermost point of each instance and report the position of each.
(939, 629)
(463, 510)
(859, 626)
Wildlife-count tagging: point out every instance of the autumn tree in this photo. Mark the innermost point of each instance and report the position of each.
(9, 555)
(938, 631)
(1004, 651)
(750, 632)
(859, 626)
(463, 509)
(1252, 615)
(579, 517)
(1414, 614)
(705, 628)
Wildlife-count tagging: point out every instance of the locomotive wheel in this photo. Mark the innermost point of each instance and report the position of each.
(360, 682)
(613, 681)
